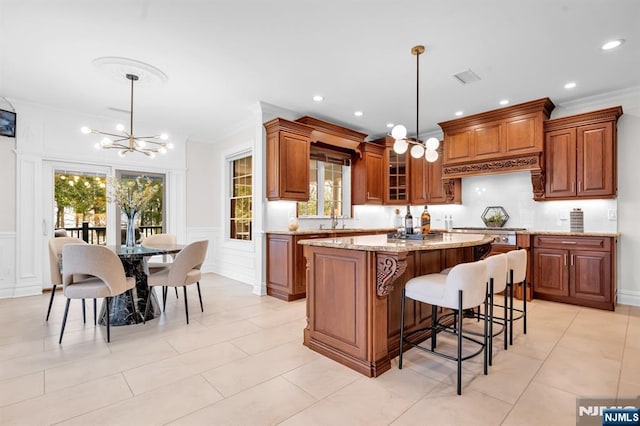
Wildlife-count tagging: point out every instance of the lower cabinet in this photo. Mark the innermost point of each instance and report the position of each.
(286, 265)
(576, 270)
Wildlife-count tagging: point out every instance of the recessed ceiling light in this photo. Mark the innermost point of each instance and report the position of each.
(318, 98)
(570, 85)
(459, 113)
(612, 44)
(390, 125)
(504, 102)
(358, 113)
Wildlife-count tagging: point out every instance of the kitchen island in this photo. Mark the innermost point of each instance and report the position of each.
(354, 288)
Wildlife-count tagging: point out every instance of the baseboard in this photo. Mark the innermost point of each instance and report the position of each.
(627, 297)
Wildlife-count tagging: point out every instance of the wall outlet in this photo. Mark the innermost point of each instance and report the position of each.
(564, 215)
(612, 214)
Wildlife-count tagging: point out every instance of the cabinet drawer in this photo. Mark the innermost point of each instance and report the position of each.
(571, 243)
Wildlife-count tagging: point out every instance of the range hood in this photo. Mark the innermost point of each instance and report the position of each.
(505, 140)
(326, 134)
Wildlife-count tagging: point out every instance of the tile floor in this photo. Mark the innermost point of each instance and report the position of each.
(242, 362)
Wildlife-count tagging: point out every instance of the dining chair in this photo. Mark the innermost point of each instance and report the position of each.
(107, 278)
(56, 245)
(183, 271)
(464, 287)
(153, 241)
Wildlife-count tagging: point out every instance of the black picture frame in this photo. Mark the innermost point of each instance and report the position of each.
(7, 123)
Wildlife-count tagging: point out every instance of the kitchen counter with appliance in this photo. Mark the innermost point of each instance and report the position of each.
(354, 288)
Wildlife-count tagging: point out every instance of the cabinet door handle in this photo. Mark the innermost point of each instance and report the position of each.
(572, 260)
(579, 185)
(573, 186)
(569, 242)
(565, 260)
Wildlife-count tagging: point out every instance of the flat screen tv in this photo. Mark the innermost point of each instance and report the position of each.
(7, 123)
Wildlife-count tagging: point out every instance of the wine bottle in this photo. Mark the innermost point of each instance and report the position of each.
(408, 222)
(425, 222)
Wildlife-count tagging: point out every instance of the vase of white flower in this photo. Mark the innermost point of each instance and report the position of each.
(132, 195)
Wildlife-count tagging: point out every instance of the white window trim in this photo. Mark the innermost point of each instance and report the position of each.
(246, 245)
(346, 195)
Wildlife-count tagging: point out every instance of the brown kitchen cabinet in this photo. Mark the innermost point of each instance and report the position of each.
(367, 185)
(580, 155)
(427, 185)
(286, 265)
(288, 148)
(576, 270)
(396, 174)
(497, 135)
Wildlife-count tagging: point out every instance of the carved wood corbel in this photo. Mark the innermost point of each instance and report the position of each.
(449, 190)
(538, 183)
(388, 268)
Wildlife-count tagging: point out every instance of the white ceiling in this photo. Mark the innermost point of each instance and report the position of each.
(221, 56)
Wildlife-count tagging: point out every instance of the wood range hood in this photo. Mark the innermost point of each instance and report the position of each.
(332, 136)
(509, 139)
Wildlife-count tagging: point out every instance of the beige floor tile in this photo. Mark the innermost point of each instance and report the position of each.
(21, 388)
(579, 373)
(20, 349)
(445, 407)
(156, 407)
(153, 375)
(605, 346)
(244, 373)
(67, 403)
(628, 389)
(508, 377)
(84, 370)
(187, 340)
(322, 377)
(364, 402)
(631, 366)
(538, 342)
(279, 317)
(543, 405)
(266, 339)
(266, 404)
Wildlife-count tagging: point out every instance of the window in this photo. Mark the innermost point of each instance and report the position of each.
(151, 220)
(329, 184)
(241, 209)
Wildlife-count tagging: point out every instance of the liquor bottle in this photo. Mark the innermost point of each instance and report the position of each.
(408, 222)
(425, 222)
(397, 221)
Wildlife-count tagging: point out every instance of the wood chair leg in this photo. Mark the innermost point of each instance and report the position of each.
(53, 293)
(200, 296)
(64, 320)
(186, 305)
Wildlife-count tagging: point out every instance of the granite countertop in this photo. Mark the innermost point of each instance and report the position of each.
(569, 234)
(329, 231)
(384, 244)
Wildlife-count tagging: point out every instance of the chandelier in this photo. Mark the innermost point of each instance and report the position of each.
(427, 149)
(127, 141)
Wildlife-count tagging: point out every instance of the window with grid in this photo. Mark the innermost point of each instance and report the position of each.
(241, 211)
(329, 183)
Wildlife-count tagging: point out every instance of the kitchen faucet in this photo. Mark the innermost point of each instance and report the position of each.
(334, 218)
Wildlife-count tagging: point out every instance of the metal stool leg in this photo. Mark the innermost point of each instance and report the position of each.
(434, 323)
(490, 296)
(506, 322)
(84, 313)
(524, 305)
(401, 330)
(108, 320)
(511, 288)
(95, 312)
(199, 296)
(186, 305)
(459, 360)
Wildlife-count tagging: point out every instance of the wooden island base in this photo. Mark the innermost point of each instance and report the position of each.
(354, 289)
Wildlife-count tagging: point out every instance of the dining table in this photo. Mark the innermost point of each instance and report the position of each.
(135, 262)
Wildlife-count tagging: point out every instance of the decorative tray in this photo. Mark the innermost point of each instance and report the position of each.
(396, 236)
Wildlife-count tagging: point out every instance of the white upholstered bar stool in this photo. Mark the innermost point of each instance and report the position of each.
(497, 271)
(107, 279)
(464, 287)
(517, 277)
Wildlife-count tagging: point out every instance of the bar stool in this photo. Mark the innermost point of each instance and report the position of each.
(517, 276)
(464, 287)
(497, 266)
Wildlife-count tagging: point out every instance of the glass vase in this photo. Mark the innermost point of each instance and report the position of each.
(131, 231)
